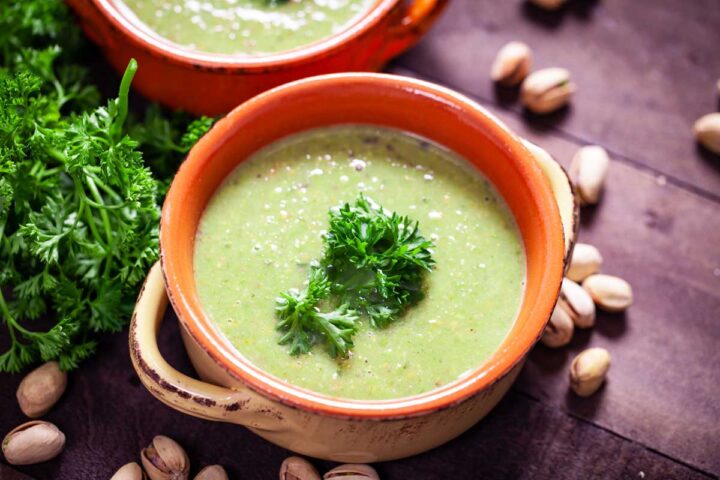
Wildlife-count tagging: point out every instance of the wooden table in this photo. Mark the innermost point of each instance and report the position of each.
(645, 71)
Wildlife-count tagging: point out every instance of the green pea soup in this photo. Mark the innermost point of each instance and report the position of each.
(247, 27)
(265, 224)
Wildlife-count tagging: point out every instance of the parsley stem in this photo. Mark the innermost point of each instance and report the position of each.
(105, 219)
(122, 100)
(5, 310)
(10, 320)
(102, 185)
(56, 154)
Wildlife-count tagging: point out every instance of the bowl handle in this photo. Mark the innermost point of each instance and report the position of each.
(564, 193)
(415, 19)
(183, 393)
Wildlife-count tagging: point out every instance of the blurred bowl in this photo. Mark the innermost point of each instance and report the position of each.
(211, 83)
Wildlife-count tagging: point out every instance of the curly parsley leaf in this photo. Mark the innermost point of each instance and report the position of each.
(78, 204)
(373, 265)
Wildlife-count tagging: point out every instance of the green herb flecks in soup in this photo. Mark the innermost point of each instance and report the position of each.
(265, 226)
(251, 27)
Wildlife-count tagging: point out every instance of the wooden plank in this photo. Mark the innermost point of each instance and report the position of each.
(645, 72)
(665, 378)
(7, 473)
(661, 391)
(108, 417)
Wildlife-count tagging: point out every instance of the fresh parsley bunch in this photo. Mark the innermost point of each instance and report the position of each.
(373, 265)
(78, 205)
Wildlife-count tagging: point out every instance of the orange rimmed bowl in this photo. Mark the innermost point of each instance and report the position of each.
(318, 425)
(212, 84)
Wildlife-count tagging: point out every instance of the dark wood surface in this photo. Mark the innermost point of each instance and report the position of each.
(645, 71)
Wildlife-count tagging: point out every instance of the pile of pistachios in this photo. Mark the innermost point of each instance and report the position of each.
(165, 459)
(296, 468)
(37, 441)
(585, 288)
(542, 91)
(549, 89)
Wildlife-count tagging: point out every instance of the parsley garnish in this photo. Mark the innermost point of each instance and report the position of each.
(78, 206)
(373, 265)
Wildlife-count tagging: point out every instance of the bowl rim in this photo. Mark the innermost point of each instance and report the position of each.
(225, 355)
(160, 46)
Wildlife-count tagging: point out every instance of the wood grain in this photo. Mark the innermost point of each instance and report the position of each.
(666, 365)
(645, 72)
(109, 417)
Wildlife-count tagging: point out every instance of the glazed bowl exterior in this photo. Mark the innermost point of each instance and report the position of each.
(308, 422)
(212, 84)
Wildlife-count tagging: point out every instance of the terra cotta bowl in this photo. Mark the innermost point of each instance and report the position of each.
(212, 84)
(236, 391)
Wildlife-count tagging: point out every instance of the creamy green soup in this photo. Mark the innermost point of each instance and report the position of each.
(265, 224)
(247, 26)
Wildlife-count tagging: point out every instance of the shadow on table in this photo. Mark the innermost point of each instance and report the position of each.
(611, 325)
(552, 19)
(506, 96)
(585, 407)
(542, 123)
(710, 158)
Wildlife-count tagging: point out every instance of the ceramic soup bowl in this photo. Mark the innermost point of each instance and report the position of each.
(212, 84)
(234, 390)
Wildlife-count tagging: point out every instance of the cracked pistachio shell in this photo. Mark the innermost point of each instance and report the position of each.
(547, 90)
(41, 389)
(165, 459)
(548, 4)
(559, 330)
(296, 468)
(612, 294)
(589, 169)
(588, 371)
(577, 303)
(129, 471)
(707, 131)
(352, 471)
(212, 472)
(512, 64)
(586, 260)
(33, 442)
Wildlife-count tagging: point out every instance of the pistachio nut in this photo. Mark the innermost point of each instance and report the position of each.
(352, 471)
(296, 468)
(129, 471)
(212, 472)
(547, 90)
(41, 389)
(165, 459)
(33, 442)
(512, 64)
(707, 131)
(559, 330)
(577, 303)
(548, 4)
(589, 169)
(585, 261)
(610, 293)
(588, 371)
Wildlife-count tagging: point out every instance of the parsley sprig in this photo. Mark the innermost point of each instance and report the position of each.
(78, 205)
(372, 266)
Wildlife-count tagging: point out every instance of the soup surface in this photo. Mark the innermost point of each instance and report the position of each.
(265, 224)
(250, 27)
